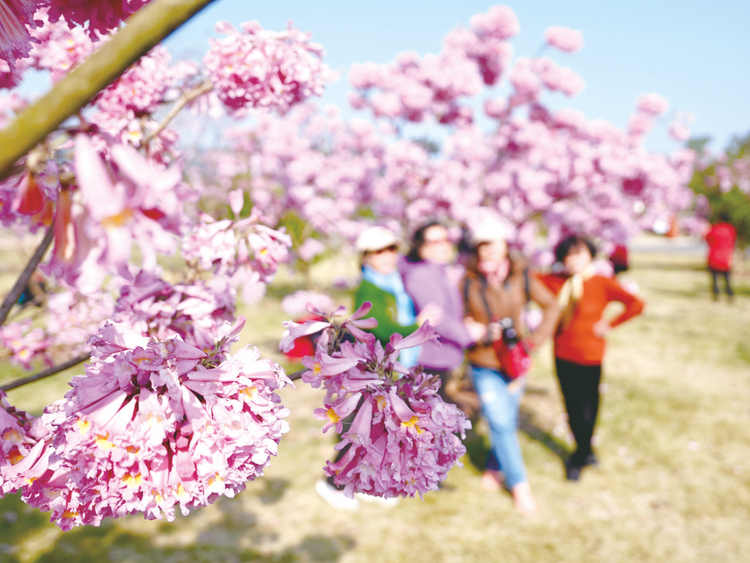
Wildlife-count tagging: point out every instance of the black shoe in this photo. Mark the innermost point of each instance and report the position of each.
(572, 472)
(591, 461)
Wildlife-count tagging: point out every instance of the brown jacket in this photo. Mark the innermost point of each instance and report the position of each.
(507, 300)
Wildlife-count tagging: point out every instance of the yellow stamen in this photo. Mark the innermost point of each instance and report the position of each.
(83, 425)
(119, 220)
(14, 456)
(332, 416)
(412, 423)
(103, 443)
(13, 435)
(132, 480)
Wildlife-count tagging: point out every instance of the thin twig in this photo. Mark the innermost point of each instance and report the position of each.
(49, 372)
(187, 97)
(297, 374)
(23, 279)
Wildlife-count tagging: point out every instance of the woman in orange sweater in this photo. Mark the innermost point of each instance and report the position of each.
(579, 341)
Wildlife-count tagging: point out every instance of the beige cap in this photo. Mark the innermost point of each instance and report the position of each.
(377, 238)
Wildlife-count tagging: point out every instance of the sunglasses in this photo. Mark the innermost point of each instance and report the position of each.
(392, 248)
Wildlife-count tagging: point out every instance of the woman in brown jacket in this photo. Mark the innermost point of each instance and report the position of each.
(493, 290)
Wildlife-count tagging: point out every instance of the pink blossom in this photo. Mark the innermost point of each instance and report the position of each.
(23, 342)
(59, 46)
(153, 425)
(193, 311)
(402, 440)
(564, 38)
(652, 104)
(16, 17)
(310, 249)
(259, 68)
(639, 124)
(102, 16)
(499, 22)
(679, 131)
(296, 303)
(495, 107)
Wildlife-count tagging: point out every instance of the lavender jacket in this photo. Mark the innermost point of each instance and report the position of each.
(427, 282)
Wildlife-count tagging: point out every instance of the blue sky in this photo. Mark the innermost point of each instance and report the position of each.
(693, 53)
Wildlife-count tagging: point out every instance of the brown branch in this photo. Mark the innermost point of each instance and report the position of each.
(54, 370)
(23, 279)
(187, 97)
(297, 374)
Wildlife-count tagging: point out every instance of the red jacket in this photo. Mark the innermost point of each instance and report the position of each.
(721, 239)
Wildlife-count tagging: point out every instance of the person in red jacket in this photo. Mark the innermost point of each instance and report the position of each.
(721, 239)
(579, 341)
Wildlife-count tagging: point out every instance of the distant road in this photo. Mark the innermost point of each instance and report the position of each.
(664, 245)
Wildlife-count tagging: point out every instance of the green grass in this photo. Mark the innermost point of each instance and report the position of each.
(673, 486)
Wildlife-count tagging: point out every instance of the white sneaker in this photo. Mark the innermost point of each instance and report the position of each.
(335, 497)
(385, 502)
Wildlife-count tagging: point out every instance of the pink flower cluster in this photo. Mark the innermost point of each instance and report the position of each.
(295, 303)
(20, 433)
(16, 21)
(73, 317)
(102, 16)
(23, 342)
(152, 307)
(403, 438)
(564, 38)
(150, 426)
(128, 200)
(246, 252)
(259, 68)
(414, 87)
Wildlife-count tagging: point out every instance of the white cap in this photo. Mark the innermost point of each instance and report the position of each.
(489, 230)
(376, 238)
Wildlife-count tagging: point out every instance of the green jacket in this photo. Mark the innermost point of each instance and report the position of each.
(384, 310)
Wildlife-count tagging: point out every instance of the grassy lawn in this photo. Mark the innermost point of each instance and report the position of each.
(673, 443)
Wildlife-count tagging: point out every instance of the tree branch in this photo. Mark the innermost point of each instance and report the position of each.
(145, 29)
(187, 97)
(44, 374)
(297, 374)
(23, 279)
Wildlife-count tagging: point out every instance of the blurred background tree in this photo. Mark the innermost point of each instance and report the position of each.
(724, 180)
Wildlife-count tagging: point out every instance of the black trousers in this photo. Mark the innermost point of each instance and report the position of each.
(727, 286)
(580, 389)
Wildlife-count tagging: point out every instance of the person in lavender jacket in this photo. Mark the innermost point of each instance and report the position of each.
(426, 279)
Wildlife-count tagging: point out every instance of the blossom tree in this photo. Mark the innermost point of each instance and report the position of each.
(535, 167)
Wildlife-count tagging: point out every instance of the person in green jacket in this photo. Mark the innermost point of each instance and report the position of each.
(383, 287)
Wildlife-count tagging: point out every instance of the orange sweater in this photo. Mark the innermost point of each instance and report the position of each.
(578, 343)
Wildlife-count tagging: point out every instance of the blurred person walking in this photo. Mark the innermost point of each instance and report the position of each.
(721, 239)
(496, 291)
(579, 340)
(428, 280)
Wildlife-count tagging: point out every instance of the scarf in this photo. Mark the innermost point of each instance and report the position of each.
(570, 295)
(495, 272)
(393, 284)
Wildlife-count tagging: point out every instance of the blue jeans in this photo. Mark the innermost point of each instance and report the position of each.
(501, 399)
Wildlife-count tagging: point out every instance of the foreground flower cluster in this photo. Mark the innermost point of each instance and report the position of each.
(152, 425)
(403, 439)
